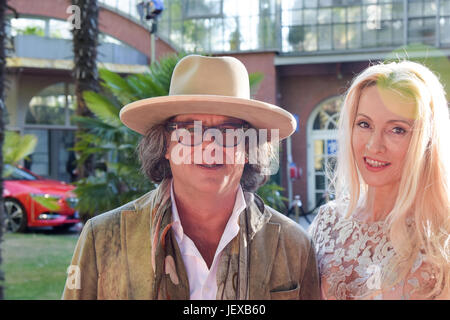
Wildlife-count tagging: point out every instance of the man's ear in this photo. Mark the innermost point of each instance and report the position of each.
(166, 155)
(167, 143)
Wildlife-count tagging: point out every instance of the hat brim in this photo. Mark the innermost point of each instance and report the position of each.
(141, 115)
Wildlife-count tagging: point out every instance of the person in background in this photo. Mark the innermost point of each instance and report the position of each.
(71, 166)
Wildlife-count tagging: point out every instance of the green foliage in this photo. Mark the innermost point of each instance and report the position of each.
(117, 179)
(35, 31)
(17, 147)
(255, 80)
(271, 194)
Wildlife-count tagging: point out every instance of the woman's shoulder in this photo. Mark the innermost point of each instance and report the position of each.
(331, 207)
(329, 210)
(326, 216)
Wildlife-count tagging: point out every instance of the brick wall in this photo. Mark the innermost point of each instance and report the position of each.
(302, 88)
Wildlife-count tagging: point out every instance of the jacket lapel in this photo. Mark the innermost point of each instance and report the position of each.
(135, 234)
(263, 243)
(135, 229)
(262, 254)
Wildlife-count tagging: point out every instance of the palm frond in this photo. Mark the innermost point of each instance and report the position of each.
(17, 147)
(91, 123)
(146, 87)
(271, 194)
(102, 107)
(118, 86)
(255, 80)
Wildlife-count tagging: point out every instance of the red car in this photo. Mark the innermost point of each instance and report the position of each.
(22, 193)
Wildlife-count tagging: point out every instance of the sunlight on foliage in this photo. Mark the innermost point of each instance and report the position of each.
(17, 147)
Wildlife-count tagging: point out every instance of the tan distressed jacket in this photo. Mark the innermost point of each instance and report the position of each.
(112, 257)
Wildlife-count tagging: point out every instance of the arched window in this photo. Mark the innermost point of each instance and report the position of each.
(322, 147)
(48, 117)
(52, 106)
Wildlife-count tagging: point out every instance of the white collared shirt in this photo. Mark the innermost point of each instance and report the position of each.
(202, 281)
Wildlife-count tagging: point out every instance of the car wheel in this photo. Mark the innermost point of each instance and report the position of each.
(15, 216)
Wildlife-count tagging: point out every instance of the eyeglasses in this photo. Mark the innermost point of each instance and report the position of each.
(191, 133)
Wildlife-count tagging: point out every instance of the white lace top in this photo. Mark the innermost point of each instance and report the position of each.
(351, 255)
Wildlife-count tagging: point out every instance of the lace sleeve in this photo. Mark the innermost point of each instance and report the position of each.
(314, 228)
(320, 232)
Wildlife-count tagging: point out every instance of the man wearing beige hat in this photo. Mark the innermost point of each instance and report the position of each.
(202, 233)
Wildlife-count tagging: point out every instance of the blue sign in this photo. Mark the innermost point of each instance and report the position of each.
(332, 147)
(298, 122)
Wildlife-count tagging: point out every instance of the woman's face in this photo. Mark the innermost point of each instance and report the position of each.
(382, 132)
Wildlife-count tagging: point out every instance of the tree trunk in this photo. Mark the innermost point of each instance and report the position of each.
(85, 63)
(2, 108)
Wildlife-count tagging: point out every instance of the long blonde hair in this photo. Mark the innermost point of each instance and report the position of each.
(424, 191)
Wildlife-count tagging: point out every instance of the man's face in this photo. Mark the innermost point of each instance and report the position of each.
(205, 166)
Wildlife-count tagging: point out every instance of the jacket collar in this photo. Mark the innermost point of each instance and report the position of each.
(257, 215)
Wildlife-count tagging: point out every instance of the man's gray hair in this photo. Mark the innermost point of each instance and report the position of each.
(153, 147)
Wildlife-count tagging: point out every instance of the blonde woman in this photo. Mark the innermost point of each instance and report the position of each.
(386, 236)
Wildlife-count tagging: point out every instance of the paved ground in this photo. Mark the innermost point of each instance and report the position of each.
(305, 222)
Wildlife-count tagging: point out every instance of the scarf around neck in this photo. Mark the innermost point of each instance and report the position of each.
(170, 279)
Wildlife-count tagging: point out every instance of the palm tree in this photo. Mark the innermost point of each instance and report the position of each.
(3, 39)
(85, 40)
(3, 7)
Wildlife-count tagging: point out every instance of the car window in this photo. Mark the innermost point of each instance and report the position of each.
(13, 173)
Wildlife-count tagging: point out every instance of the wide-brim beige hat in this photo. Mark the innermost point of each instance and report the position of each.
(208, 85)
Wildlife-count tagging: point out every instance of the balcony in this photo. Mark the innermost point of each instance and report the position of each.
(37, 47)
